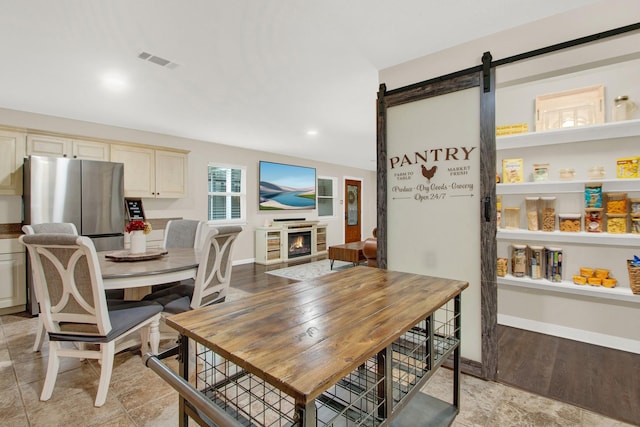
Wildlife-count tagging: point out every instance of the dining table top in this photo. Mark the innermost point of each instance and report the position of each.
(303, 337)
(176, 264)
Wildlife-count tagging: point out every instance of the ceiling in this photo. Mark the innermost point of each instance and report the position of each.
(257, 74)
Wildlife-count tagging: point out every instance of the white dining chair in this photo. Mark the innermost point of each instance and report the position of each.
(53, 227)
(74, 308)
(212, 280)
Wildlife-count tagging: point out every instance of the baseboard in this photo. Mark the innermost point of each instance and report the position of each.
(581, 335)
(243, 261)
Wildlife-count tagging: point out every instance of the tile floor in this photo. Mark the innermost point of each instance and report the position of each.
(138, 397)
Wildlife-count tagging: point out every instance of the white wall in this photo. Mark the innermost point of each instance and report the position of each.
(597, 17)
(201, 153)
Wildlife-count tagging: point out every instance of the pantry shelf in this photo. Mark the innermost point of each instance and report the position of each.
(567, 287)
(605, 239)
(559, 187)
(597, 132)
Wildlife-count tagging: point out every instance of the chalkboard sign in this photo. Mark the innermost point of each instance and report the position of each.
(134, 209)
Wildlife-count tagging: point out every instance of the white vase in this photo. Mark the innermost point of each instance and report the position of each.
(138, 243)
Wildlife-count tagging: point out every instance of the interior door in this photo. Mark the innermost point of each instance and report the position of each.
(352, 211)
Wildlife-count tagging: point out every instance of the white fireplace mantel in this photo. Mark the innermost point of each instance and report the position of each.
(272, 242)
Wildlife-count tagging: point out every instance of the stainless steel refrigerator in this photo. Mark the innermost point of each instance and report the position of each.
(87, 193)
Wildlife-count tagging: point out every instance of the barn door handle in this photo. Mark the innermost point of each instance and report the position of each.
(487, 209)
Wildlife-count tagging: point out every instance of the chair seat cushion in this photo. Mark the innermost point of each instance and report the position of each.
(123, 315)
(175, 299)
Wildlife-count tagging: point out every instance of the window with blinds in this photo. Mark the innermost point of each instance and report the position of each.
(325, 196)
(227, 193)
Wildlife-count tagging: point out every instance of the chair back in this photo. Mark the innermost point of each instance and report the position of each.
(51, 227)
(214, 272)
(68, 284)
(183, 233)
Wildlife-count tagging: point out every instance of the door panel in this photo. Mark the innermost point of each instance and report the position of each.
(352, 213)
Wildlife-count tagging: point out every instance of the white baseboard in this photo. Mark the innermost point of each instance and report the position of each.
(243, 261)
(618, 343)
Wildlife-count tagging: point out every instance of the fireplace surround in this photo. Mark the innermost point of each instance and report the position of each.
(287, 240)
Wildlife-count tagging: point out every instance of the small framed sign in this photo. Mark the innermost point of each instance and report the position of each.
(134, 209)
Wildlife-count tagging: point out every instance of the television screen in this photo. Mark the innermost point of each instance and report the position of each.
(284, 187)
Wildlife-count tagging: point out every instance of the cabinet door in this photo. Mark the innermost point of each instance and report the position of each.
(139, 170)
(13, 290)
(13, 151)
(51, 146)
(90, 150)
(171, 174)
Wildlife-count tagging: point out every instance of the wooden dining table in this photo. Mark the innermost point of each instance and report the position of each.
(353, 346)
(136, 277)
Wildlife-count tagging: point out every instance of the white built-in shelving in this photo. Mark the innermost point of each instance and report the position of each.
(598, 241)
(568, 287)
(629, 128)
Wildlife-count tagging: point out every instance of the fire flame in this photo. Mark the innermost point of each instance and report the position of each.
(296, 244)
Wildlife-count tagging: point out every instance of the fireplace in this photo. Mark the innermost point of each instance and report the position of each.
(299, 244)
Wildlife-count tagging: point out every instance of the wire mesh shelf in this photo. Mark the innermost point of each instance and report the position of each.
(358, 399)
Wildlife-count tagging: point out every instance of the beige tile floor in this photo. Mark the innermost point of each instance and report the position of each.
(138, 397)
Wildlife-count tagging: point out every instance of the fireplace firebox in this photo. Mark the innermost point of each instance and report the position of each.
(299, 244)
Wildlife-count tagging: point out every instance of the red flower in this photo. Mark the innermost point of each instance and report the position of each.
(138, 225)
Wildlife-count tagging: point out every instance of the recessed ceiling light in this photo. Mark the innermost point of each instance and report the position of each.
(114, 82)
(312, 132)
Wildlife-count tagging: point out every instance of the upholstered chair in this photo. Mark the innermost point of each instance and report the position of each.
(74, 309)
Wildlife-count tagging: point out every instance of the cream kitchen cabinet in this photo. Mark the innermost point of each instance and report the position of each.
(54, 146)
(13, 289)
(13, 151)
(151, 172)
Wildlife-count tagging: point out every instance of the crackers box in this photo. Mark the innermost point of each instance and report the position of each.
(512, 171)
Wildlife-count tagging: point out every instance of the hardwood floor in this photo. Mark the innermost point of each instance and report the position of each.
(600, 379)
(595, 378)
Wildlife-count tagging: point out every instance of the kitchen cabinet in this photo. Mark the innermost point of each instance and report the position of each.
(54, 146)
(13, 290)
(13, 151)
(152, 173)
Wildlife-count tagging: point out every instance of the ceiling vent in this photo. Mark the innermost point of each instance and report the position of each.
(146, 56)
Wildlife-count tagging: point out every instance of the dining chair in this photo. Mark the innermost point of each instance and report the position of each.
(183, 233)
(212, 279)
(53, 227)
(74, 308)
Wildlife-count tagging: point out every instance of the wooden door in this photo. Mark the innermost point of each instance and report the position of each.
(352, 211)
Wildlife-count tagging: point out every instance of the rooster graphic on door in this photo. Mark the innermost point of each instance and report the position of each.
(429, 173)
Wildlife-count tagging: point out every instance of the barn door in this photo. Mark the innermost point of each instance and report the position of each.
(436, 169)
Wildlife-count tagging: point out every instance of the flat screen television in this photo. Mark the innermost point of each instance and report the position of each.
(286, 187)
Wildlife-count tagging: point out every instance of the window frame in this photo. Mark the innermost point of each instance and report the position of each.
(242, 193)
(334, 187)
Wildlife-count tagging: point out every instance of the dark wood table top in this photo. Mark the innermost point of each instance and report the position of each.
(304, 337)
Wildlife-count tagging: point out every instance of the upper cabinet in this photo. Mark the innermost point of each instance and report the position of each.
(54, 146)
(13, 150)
(149, 172)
